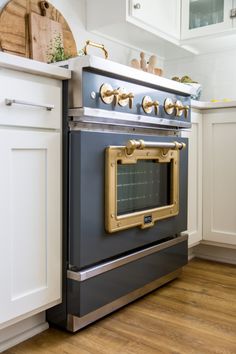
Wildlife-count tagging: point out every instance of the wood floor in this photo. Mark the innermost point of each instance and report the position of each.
(195, 314)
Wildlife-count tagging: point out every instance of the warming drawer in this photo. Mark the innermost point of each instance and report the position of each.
(94, 291)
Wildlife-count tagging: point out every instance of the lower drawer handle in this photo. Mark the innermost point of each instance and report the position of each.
(10, 102)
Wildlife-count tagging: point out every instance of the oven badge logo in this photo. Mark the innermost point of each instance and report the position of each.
(148, 219)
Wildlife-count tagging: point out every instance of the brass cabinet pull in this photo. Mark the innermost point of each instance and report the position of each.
(10, 102)
(96, 45)
(141, 144)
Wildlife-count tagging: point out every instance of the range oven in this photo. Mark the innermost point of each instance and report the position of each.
(125, 203)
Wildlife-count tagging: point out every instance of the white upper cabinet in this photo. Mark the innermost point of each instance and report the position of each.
(162, 17)
(150, 25)
(205, 17)
(170, 28)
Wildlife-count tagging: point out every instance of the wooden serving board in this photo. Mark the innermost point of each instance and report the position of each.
(14, 28)
(43, 32)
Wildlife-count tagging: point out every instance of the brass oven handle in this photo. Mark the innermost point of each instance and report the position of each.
(141, 144)
(96, 45)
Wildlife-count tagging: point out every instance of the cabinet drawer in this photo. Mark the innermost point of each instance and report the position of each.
(33, 101)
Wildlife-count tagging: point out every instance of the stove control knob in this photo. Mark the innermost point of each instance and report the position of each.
(125, 98)
(186, 109)
(169, 106)
(180, 108)
(148, 105)
(108, 95)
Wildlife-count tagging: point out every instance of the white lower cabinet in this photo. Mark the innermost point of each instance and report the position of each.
(219, 188)
(195, 179)
(30, 222)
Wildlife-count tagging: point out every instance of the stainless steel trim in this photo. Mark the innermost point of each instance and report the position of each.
(105, 267)
(128, 129)
(75, 323)
(102, 116)
(77, 124)
(10, 102)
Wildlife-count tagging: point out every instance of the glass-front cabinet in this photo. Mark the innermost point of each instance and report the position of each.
(205, 17)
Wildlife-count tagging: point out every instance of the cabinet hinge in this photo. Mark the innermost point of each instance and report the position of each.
(233, 13)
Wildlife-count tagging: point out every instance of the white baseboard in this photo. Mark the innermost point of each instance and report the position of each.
(213, 253)
(21, 331)
(191, 254)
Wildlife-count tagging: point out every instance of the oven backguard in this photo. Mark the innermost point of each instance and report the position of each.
(91, 238)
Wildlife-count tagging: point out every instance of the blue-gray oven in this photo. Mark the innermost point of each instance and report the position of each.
(125, 193)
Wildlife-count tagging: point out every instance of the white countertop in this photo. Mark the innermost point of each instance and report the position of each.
(15, 62)
(201, 105)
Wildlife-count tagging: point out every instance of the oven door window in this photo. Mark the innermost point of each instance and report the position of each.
(141, 186)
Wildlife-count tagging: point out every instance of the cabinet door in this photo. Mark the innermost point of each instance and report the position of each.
(158, 15)
(219, 180)
(205, 17)
(195, 179)
(30, 223)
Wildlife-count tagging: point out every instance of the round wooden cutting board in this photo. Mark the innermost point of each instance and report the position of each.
(19, 18)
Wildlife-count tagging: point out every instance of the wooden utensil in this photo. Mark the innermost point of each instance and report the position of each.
(143, 63)
(151, 64)
(135, 64)
(158, 71)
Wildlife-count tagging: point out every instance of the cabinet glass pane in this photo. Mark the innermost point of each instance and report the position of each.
(205, 13)
(144, 185)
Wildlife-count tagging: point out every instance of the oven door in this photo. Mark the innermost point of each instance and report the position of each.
(126, 192)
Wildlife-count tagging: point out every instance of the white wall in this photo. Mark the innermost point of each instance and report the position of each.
(216, 72)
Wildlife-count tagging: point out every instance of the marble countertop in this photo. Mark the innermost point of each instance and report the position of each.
(9, 61)
(201, 105)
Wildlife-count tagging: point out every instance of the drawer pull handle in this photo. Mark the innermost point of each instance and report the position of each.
(10, 102)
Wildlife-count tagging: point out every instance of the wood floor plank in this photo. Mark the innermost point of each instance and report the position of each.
(194, 314)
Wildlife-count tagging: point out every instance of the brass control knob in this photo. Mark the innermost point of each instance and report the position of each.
(186, 109)
(125, 98)
(180, 108)
(169, 106)
(148, 105)
(108, 95)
